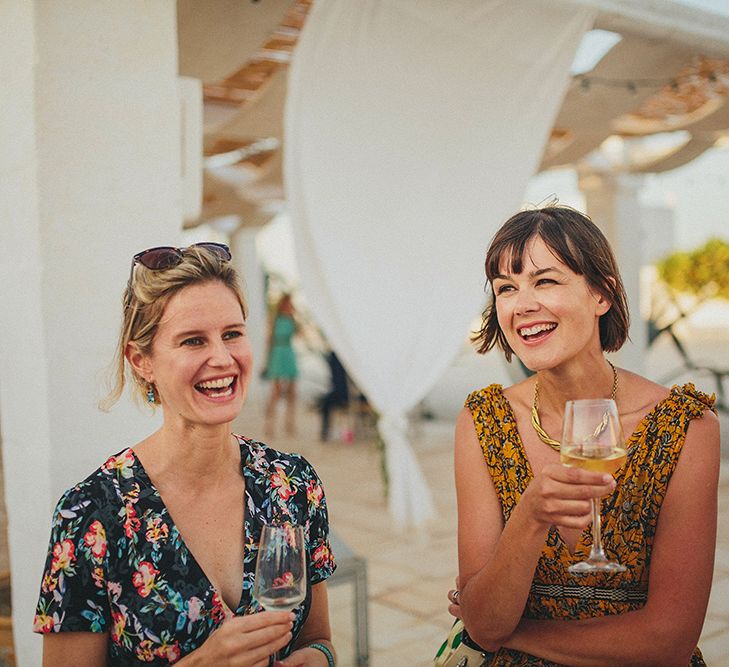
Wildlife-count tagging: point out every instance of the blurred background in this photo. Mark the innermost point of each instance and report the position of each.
(357, 156)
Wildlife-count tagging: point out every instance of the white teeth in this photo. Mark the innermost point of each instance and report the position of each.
(537, 328)
(216, 384)
(225, 392)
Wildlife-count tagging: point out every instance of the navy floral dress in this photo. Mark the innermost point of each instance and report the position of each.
(117, 563)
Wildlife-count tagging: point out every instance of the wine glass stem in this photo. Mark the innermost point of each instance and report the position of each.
(596, 552)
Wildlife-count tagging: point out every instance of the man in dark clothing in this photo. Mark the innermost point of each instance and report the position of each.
(338, 395)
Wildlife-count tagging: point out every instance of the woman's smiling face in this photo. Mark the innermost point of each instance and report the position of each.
(547, 311)
(201, 356)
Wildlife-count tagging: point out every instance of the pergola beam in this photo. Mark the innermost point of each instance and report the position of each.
(664, 17)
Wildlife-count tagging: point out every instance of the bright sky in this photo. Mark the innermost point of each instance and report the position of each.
(718, 6)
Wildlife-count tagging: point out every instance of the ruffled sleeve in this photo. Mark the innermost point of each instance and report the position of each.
(73, 594)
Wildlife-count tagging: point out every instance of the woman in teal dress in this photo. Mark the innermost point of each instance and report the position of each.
(281, 367)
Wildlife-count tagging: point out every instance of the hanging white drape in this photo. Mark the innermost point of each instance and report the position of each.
(412, 127)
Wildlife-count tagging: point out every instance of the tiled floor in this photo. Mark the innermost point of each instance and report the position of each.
(411, 571)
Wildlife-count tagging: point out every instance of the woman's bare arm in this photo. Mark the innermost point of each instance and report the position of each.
(70, 649)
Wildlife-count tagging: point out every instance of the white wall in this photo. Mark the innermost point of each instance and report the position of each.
(24, 400)
(90, 173)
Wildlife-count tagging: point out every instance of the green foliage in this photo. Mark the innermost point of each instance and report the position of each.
(380, 447)
(703, 272)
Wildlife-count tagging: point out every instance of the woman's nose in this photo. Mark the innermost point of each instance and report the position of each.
(220, 354)
(526, 302)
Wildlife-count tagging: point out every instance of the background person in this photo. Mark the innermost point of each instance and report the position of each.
(559, 304)
(152, 557)
(281, 366)
(336, 398)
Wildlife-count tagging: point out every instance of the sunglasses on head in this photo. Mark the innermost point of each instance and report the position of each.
(165, 257)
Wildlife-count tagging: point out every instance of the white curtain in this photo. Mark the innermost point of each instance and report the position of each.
(412, 128)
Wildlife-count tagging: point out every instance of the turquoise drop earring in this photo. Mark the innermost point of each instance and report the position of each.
(150, 393)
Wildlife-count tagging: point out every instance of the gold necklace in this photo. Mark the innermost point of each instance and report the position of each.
(543, 436)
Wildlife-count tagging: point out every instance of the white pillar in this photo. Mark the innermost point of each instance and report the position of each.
(612, 202)
(25, 424)
(89, 174)
(248, 264)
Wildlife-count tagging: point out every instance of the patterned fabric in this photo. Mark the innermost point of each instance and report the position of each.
(117, 563)
(282, 357)
(629, 516)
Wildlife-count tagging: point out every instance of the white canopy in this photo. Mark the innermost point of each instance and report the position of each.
(411, 130)
(397, 176)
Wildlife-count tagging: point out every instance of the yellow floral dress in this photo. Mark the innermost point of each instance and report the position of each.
(629, 515)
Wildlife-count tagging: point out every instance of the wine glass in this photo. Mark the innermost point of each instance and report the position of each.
(592, 439)
(280, 583)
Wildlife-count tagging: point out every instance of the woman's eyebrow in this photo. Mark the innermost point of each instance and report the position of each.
(532, 274)
(539, 272)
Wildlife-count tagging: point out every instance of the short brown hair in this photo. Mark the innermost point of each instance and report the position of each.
(145, 300)
(575, 240)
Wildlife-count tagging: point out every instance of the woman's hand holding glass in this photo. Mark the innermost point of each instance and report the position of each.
(562, 496)
(244, 641)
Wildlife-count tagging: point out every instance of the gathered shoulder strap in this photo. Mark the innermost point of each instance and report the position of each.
(501, 444)
(696, 401)
(667, 425)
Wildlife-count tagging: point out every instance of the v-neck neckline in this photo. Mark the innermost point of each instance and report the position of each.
(581, 546)
(141, 471)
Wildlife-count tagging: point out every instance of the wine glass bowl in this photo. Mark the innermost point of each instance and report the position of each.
(281, 577)
(592, 439)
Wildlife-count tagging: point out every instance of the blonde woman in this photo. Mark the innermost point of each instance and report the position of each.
(152, 556)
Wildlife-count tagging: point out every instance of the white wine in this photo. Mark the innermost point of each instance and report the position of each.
(282, 598)
(592, 439)
(594, 459)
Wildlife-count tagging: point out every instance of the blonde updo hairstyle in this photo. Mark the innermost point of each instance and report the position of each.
(145, 301)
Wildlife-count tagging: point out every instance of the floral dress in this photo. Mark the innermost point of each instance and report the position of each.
(117, 563)
(629, 515)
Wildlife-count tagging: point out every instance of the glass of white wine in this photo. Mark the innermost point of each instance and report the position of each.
(592, 439)
(281, 577)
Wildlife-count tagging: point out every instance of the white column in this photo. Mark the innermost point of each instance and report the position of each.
(248, 264)
(25, 424)
(89, 174)
(612, 202)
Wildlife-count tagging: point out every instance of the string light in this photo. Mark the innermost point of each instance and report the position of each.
(633, 85)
